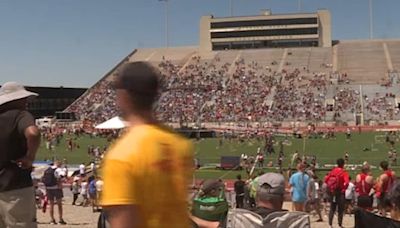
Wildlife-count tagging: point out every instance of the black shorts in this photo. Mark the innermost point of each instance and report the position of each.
(383, 200)
(54, 194)
(93, 195)
(365, 202)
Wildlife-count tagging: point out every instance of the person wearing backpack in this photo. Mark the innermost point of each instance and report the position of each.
(384, 183)
(337, 181)
(52, 180)
(364, 184)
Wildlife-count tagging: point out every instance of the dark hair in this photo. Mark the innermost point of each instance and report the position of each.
(340, 162)
(384, 165)
(141, 81)
(239, 177)
(365, 169)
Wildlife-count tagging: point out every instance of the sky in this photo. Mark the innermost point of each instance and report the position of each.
(73, 43)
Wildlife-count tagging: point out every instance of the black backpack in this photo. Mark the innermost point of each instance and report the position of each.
(49, 179)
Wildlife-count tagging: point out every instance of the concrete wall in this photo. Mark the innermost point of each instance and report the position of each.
(325, 28)
(205, 35)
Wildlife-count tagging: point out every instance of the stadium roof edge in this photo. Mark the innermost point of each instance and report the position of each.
(257, 15)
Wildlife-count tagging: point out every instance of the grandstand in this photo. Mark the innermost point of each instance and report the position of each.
(352, 83)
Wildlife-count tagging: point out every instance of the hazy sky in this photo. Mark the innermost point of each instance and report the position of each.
(75, 42)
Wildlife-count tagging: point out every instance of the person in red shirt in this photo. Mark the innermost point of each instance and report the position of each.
(337, 181)
(383, 185)
(364, 184)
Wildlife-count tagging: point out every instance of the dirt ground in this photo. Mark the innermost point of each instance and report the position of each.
(83, 217)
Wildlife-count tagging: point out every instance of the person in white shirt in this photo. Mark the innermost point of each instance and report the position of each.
(93, 167)
(75, 189)
(84, 192)
(82, 169)
(350, 196)
(313, 196)
(99, 187)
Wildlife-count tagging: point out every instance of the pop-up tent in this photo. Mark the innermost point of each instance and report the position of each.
(113, 123)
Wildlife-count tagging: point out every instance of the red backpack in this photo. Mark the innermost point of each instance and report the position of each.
(334, 181)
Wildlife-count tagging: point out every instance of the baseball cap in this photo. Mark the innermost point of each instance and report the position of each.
(212, 184)
(275, 182)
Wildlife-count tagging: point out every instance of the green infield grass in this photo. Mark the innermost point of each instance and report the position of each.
(369, 147)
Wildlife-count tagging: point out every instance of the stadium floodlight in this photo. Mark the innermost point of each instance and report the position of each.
(166, 22)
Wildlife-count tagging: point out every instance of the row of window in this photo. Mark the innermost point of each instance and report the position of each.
(265, 44)
(293, 21)
(273, 32)
(50, 104)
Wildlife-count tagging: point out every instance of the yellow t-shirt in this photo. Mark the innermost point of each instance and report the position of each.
(150, 167)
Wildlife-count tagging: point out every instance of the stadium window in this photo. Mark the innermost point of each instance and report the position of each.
(271, 22)
(273, 32)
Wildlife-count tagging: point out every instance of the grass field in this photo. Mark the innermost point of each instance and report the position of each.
(208, 151)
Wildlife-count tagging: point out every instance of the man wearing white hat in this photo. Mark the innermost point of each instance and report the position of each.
(19, 141)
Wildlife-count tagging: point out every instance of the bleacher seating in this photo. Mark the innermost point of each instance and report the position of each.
(264, 85)
(363, 62)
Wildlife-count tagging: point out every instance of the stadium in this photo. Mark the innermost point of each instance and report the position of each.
(276, 85)
(278, 73)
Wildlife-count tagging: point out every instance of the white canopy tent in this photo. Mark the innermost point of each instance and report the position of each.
(113, 123)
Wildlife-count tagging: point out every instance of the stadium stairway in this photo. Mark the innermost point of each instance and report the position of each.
(363, 61)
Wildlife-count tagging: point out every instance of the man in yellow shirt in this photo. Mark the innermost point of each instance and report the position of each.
(147, 172)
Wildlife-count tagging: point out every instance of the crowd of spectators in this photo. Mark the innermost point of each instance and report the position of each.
(382, 106)
(211, 90)
(97, 104)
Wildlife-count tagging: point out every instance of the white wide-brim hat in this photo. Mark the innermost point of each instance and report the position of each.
(11, 91)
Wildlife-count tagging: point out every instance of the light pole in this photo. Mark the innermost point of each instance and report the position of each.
(166, 22)
(299, 5)
(371, 25)
(231, 7)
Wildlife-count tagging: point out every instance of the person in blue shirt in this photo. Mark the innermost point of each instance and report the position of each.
(299, 182)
